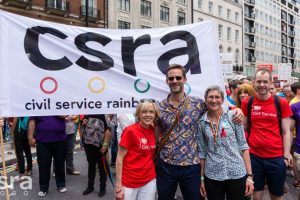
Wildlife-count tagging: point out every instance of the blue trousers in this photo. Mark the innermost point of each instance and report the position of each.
(168, 176)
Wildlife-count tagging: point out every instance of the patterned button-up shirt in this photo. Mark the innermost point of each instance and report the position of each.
(182, 147)
(223, 159)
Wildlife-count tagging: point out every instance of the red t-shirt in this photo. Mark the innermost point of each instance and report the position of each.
(265, 139)
(138, 165)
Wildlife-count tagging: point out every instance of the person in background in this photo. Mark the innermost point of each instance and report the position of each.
(232, 99)
(50, 142)
(71, 130)
(19, 129)
(244, 91)
(135, 169)
(96, 136)
(124, 120)
(223, 142)
(287, 91)
(114, 141)
(272, 89)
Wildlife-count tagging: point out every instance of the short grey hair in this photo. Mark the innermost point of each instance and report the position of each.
(213, 88)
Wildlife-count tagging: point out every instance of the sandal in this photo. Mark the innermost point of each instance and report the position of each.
(297, 185)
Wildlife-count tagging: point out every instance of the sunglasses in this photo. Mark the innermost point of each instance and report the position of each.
(149, 100)
(178, 78)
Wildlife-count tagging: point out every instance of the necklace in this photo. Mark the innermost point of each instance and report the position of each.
(213, 130)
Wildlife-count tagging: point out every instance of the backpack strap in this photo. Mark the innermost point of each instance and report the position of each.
(278, 110)
(249, 106)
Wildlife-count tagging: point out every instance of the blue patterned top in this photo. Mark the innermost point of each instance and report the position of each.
(181, 147)
(223, 159)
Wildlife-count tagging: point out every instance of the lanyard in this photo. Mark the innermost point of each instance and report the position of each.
(215, 131)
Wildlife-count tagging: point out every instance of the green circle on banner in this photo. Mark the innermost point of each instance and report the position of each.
(189, 88)
(137, 89)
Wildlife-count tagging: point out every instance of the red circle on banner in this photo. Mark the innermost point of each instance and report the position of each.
(48, 91)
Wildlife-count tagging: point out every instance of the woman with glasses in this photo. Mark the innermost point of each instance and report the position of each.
(135, 170)
(225, 161)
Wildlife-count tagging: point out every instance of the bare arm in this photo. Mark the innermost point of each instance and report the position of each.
(31, 129)
(245, 123)
(292, 128)
(107, 137)
(119, 167)
(287, 139)
(202, 186)
(157, 131)
(1, 122)
(249, 182)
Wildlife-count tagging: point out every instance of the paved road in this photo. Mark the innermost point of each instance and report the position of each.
(76, 185)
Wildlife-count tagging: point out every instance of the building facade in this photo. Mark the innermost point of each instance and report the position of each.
(71, 12)
(273, 27)
(136, 14)
(229, 17)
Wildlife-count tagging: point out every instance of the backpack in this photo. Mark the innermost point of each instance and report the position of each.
(278, 110)
(23, 124)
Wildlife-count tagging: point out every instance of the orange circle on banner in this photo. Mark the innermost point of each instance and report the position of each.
(46, 79)
(97, 91)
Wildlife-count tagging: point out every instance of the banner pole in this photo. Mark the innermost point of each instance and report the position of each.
(3, 164)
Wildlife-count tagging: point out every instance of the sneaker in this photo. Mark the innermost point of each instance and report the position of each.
(20, 178)
(62, 189)
(42, 194)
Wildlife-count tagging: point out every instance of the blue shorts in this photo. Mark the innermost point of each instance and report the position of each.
(271, 171)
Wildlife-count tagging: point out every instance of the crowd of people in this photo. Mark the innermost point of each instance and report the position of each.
(210, 150)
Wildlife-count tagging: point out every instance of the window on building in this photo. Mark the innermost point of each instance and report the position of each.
(228, 14)
(146, 8)
(221, 49)
(237, 36)
(92, 11)
(57, 4)
(237, 56)
(164, 14)
(200, 20)
(236, 17)
(228, 33)
(229, 49)
(123, 25)
(200, 2)
(145, 27)
(210, 7)
(181, 1)
(220, 11)
(124, 5)
(220, 31)
(180, 18)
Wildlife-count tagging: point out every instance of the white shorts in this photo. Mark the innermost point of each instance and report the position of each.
(146, 192)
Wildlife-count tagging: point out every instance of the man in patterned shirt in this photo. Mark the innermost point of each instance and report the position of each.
(179, 159)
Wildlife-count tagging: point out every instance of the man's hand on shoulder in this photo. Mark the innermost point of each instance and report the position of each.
(238, 116)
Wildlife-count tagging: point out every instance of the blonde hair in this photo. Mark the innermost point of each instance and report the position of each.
(247, 88)
(145, 106)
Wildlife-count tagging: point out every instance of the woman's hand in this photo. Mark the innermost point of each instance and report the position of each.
(249, 186)
(202, 189)
(119, 192)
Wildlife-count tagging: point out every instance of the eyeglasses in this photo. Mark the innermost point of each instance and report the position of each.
(149, 100)
(178, 78)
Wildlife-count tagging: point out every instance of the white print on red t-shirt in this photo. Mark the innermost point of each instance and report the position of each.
(263, 114)
(144, 144)
(256, 108)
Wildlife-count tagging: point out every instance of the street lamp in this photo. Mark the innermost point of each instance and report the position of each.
(86, 13)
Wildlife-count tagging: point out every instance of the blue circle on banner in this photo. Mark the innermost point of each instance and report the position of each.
(189, 88)
(137, 89)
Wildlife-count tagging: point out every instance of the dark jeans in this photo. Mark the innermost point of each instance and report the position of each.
(22, 146)
(114, 147)
(69, 155)
(94, 157)
(168, 176)
(234, 189)
(45, 152)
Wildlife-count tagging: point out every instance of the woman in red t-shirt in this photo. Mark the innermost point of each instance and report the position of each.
(135, 170)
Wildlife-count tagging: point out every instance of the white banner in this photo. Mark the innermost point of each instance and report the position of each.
(284, 71)
(52, 69)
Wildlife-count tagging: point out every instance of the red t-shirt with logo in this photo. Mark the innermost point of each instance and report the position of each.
(265, 139)
(138, 165)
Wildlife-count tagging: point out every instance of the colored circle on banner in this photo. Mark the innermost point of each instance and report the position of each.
(46, 91)
(188, 87)
(139, 90)
(95, 80)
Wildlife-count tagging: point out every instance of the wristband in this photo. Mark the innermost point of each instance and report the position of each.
(285, 158)
(201, 178)
(249, 175)
(105, 144)
(250, 180)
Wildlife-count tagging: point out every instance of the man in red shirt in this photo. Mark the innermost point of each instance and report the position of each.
(269, 147)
